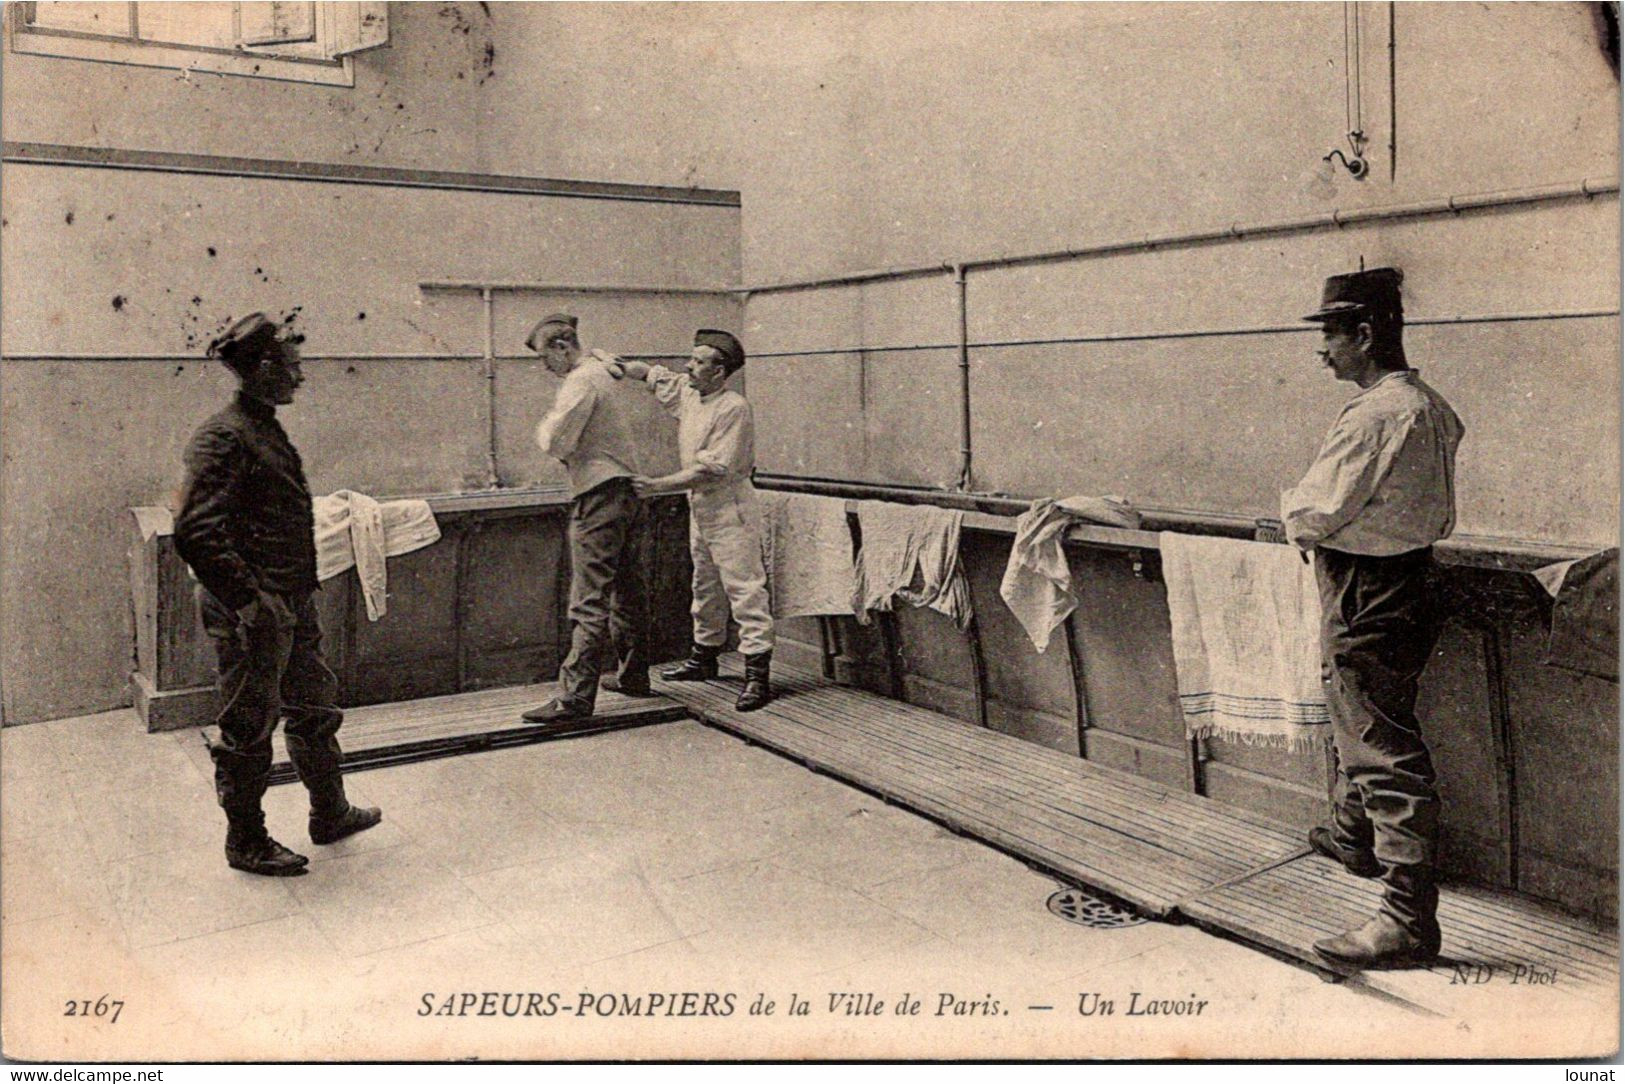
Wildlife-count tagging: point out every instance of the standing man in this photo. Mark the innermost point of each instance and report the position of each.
(246, 528)
(591, 429)
(1379, 494)
(716, 446)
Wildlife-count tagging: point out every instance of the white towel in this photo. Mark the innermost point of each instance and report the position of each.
(1246, 628)
(353, 530)
(808, 548)
(911, 552)
(1037, 583)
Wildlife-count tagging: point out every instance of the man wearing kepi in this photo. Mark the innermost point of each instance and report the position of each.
(246, 528)
(1379, 494)
(716, 445)
(590, 428)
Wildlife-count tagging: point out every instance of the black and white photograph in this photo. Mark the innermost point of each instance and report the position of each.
(905, 532)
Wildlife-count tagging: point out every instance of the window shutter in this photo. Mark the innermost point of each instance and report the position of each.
(277, 23)
(88, 18)
(358, 27)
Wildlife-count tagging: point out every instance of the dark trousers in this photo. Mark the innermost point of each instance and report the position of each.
(609, 608)
(1379, 623)
(269, 671)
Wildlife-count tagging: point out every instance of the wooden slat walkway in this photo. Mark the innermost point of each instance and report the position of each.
(1166, 852)
(1119, 833)
(382, 735)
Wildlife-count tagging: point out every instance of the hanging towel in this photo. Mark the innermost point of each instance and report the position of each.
(1037, 582)
(1246, 629)
(911, 552)
(1585, 617)
(1110, 510)
(808, 548)
(353, 530)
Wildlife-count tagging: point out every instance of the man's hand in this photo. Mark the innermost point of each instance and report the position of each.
(266, 606)
(644, 487)
(616, 367)
(637, 370)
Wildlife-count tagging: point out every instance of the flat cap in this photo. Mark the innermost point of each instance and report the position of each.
(1360, 292)
(247, 338)
(733, 355)
(538, 334)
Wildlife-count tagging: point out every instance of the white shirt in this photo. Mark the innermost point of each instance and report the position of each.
(590, 427)
(714, 432)
(1384, 482)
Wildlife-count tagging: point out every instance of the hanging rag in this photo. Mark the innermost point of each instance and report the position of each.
(911, 552)
(1246, 631)
(353, 530)
(808, 547)
(1037, 583)
(1585, 617)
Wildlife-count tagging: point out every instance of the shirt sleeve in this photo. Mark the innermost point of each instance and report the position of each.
(1356, 457)
(215, 465)
(728, 448)
(668, 387)
(560, 432)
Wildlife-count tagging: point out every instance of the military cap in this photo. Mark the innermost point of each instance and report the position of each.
(245, 340)
(733, 355)
(545, 326)
(1360, 293)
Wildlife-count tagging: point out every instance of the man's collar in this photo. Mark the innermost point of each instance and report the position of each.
(255, 408)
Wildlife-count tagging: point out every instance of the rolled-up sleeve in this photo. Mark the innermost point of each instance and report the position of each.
(729, 448)
(560, 431)
(668, 387)
(215, 463)
(1356, 457)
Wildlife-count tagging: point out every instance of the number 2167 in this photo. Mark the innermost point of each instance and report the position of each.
(100, 1007)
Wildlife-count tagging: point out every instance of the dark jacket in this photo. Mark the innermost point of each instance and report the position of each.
(245, 521)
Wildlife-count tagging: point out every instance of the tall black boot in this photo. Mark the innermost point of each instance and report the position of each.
(250, 848)
(701, 665)
(757, 691)
(332, 817)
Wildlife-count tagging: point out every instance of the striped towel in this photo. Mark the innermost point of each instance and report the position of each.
(1246, 627)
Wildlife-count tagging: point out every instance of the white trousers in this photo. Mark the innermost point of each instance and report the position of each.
(725, 543)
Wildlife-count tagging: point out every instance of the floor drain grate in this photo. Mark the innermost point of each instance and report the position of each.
(1076, 905)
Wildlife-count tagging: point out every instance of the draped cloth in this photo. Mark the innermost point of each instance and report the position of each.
(355, 531)
(1246, 632)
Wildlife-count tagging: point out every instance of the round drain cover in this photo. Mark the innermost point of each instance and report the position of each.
(1076, 905)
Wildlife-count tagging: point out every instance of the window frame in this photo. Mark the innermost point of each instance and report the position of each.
(254, 62)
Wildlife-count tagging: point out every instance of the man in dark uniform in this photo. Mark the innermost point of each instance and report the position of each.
(246, 528)
(1379, 494)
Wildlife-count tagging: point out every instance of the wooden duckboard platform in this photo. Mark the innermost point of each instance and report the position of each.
(383, 735)
(1125, 835)
(1169, 853)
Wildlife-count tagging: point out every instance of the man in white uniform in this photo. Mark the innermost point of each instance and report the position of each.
(716, 444)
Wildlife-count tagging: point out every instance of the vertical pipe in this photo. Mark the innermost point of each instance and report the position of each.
(1080, 694)
(964, 381)
(490, 351)
(1393, 106)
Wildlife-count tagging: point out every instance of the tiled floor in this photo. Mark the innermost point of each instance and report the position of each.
(656, 861)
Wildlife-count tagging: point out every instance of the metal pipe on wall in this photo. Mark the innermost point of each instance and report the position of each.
(489, 306)
(1327, 220)
(964, 380)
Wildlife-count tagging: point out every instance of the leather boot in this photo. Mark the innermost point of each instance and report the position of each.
(757, 691)
(636, 686)
(1381, 944)
(701, 665)
(1361, 863)
(250, 848)
(332, 817)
